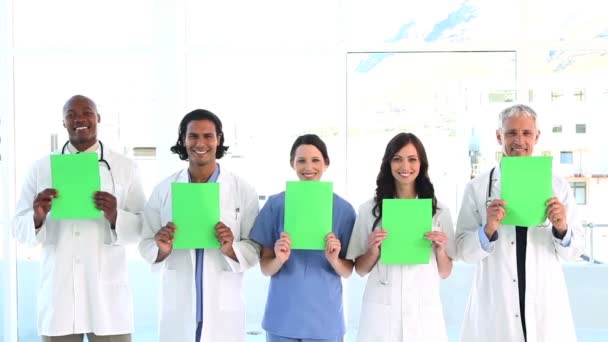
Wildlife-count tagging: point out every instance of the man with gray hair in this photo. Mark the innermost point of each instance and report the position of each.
(519, 291)
(83, 273)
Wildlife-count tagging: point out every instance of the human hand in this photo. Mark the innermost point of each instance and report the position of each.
(375, 239)
(106, 202)
(282, 248)
(42, 205)
(332, 247)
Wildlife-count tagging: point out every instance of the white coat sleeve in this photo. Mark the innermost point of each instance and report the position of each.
(446, 225)
(22, 227)
(577, 237)
(468, 245)
(246, 250)
(151, 224)
(357, 246)
(129, 219)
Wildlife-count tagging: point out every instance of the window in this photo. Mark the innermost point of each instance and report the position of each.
(501, 96)
(581, 128)
(565, 157)
(555, 95)
(556, 129)
(579, 95)
(580, 192)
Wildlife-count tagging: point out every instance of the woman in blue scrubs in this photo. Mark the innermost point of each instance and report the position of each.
(305, 295)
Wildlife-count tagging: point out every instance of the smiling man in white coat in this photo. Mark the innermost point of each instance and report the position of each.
(83, 268)
(201, 292)
(519, 291)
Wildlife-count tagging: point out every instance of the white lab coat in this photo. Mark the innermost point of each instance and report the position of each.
(407, 307)
(83, 267)
(224, 308)
(492, 312)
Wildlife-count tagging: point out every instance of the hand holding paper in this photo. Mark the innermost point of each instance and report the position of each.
(556, 213)
(106, 202)
(332, 247)
(224, 236)
(164, 240)
(375, 239)
(495, 212)
(282, 248)
(42, 205)
(439, 240)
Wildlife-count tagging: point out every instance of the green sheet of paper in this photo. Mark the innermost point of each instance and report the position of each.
(196, 212)
(308, 213)
(526, 187)
(76, 178)
(406, 221)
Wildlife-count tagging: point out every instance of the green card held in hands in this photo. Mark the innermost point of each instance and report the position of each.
(526, 187)
(196, 212)
(308, 213)
(406, 221)
(76, 179)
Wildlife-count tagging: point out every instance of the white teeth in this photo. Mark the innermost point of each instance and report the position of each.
(80, 128)
(200, 152)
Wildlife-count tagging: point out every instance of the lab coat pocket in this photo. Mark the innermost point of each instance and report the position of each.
(169, 291)
(113, 264)
(231, 294)
(375, 323)
(47, 266)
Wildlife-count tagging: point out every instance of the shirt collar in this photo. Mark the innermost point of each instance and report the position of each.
(213, 177)
(72, 149)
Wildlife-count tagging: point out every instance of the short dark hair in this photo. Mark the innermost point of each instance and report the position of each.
(198, 114)
(385, 183)
(75, 98)
(309, 139)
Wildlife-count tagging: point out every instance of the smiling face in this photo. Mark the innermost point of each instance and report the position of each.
(309, 163)
(201, 141)
(405, 166)
(518, 136)
(80, 118)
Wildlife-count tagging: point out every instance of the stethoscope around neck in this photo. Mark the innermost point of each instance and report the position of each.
(101, 160)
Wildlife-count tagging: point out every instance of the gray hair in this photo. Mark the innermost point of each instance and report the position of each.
(515, 110)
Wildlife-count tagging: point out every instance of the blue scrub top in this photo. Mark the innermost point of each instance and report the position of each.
(305, 295)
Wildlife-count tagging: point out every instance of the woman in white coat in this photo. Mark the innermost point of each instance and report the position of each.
(202, 298)
(401, 302)
(519, 291)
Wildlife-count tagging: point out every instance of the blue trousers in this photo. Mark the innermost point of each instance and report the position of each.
(275, 338)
